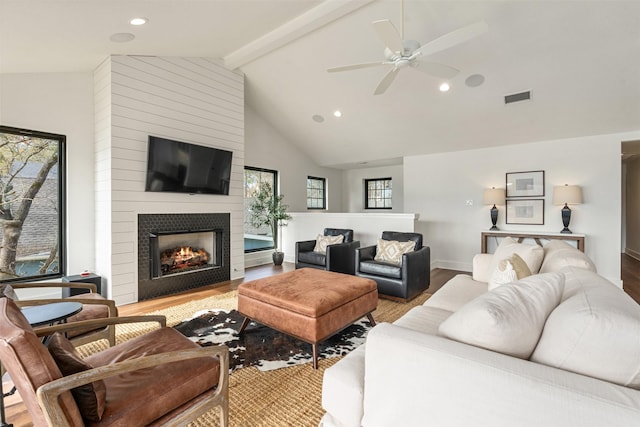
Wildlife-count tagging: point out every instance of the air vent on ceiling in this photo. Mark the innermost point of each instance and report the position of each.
(517, 97)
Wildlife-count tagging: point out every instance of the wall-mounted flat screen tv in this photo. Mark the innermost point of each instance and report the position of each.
(174, 166)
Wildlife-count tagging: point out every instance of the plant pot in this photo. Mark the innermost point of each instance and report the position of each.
(278, 257)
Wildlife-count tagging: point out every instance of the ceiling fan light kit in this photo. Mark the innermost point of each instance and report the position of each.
(401, 53)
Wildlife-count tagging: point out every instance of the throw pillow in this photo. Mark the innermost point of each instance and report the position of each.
(509, 270)
(323, 241)
(508, 319)
(559, 254)
(91, 397)
(391, 251)
(531, 254)
(594, 331)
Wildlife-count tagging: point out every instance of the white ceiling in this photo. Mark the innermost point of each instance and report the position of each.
(581, 60)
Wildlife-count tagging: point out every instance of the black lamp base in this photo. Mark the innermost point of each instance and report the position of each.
(566, 218)
(494, 218)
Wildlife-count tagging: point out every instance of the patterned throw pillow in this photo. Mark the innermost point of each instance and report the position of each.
(391, 251)
(323, 241)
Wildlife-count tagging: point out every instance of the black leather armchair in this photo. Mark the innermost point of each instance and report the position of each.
(339, 257)
(403, 282)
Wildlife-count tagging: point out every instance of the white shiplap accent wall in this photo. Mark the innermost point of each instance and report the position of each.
(194, 100)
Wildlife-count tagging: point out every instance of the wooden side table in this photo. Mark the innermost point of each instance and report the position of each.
(537, 237)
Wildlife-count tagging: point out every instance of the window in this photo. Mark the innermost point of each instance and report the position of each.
(316, 193)
(32, 203)
(377, 193)
(257, 239)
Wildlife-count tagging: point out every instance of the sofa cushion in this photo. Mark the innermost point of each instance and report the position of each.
(559, 254)
(508, 319)
(323, 241)
(509, 270)
(312, 258)
(595, 331)
(381, 269)
(91, 397)
(391, 250)
(456, 292)
(531, 254)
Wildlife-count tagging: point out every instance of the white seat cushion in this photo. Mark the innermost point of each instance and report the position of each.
(508, 319)
(595, 331)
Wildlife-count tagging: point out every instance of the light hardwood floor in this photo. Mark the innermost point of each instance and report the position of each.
(16, 412)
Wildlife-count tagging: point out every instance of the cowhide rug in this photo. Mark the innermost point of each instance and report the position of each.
(261, 346)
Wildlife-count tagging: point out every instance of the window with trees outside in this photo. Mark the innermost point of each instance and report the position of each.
(257, 239)
(377, 193)
(32, 203)
(316, 193)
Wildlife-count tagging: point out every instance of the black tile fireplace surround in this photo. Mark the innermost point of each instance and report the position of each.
(149, 224)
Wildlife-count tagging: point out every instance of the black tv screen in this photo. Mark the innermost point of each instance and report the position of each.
(174, 166)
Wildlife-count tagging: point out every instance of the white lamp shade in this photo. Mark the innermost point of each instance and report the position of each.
(493, 196)
(569, 194)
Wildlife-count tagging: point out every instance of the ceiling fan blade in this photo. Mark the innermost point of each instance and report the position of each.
(388, 34)
(355, 66)
(435, 69)
(453, 38)
(386, 81)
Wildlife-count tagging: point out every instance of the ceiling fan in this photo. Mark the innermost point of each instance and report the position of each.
(401, 53)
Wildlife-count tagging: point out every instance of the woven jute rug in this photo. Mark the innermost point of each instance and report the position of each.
(283, 397)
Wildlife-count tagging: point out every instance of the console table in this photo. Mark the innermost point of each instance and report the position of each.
(537, 237)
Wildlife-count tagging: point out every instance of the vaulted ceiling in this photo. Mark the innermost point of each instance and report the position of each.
(580, 60)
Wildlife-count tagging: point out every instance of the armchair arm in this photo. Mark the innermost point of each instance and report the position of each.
(481, 264)
(304, 246)
(366, 253)
(111, 305)
(48, 394)
(341, 257)
(416, 270)
(97, 323)
(78, 285)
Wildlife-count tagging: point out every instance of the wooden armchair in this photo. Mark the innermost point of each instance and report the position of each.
(94, 306)
(159, 378)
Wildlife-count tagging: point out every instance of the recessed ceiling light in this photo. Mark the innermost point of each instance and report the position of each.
(317, 118)
(138, 21)
(122, 37)
(337, 113)
(444, 87)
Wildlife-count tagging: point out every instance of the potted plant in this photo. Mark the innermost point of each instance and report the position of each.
(266, 209)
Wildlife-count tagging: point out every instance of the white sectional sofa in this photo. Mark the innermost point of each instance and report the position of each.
(575, 334)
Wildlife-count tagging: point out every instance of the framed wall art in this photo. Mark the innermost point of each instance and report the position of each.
(526, 211)
(525, 184)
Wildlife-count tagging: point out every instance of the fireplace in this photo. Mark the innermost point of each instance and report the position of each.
(184, 252)
(178, 252)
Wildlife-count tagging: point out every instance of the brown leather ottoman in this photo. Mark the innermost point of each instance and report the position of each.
(308, 303)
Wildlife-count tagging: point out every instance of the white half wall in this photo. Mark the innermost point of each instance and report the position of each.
(367, 227)
(61, 103)
(437, 187)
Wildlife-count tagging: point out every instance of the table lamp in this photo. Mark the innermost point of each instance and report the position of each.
(567, 195)
(493, 196)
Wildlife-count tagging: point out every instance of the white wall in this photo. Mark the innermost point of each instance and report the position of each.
(266, 148)
(354, 187)
(437, 186)
(194, 100)
(61, 103)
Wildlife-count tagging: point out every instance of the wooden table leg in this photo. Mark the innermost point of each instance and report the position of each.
(370, 317)
(245, 322)
(315, 355)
